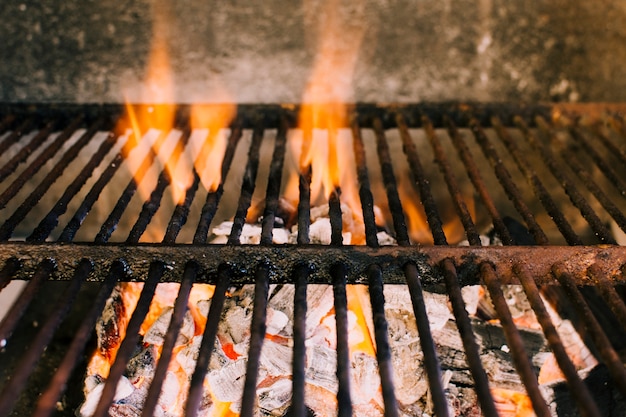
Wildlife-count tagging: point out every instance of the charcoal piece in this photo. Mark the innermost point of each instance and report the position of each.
(275, 359)
(110, 325)
(321, 368)
(123, 390)
(156, 333)
(275, 398)
(365, 384)
(227, 382)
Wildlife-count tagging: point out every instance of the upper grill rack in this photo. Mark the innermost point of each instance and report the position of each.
(496, 129)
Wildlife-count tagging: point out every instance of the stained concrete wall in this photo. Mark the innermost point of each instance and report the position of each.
(263, 51)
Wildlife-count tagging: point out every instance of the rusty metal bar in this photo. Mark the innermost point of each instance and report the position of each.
(151, 206)
(300, 276)
(6, 230)
(247, 188)
(50, 221)
(128, 345)
(213, 197)
(17, 133)
(606, 169)
(579, 390)
(110, 224)
(48, 400)
(273, 184)
(257, 336)
(610, 145)
(453, 187)
(6, 122)
(339, 273)
(41, 159)
(568, 155)
(29, 359)
(169, 341)
(7, 325)
(336, 222)
(365, 193)
(508, 184)
(386, 166)
(472, 354)
(11, 266)
(600, 340)
(28, 149)
(537, 186)
(196, 386)
(431, 360)
(514, 341)
(568, 185)
(458, 140)
(421, 183)
(383, 350)
(615, 302)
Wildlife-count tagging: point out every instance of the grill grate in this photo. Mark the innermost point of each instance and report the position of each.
(581, 146)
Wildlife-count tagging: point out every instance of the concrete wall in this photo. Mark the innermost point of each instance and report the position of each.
(262, 51)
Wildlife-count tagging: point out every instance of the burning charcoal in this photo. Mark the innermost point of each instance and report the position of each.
(321, 368)
(365, 386)
(141, 366)
(281, 299)
(385, 239)
(320, 301)
(156, 332)
(320, 232)
(123, 390)
(471, 297)
(170, 391)
(276, 358)
(274, 399)
(227, 382)
(276, 321)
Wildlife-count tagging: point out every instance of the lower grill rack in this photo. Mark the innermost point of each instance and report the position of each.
(546, 193)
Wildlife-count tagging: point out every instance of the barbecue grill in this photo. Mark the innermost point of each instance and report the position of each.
(558, 169)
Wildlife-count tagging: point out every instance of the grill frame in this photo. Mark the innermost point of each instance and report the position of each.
(428, 267)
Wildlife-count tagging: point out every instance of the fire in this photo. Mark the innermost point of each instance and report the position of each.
(207, 142)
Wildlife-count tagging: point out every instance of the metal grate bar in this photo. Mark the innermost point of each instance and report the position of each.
(481, 382)
(514, 340)
(151, 206)
(213, 197)
(16, 134)
(10, 393)
(399, 222)
(209, 335)
(583, 397)
(605, 167)
(37, 164)
(537, 186)
(453, 186)
(110, 224)
(129, 343)
(509, 186)
(568, 155)
(365, 193)
(611, 296)
(336, 222)
(51, 220)
(257, 335)
(431, 361)
(247, 188)
(11, 320)
(474, 174)
(339, 273)
(273, 184)
(10, 268)
(27, 150)
(600, 340)
(422, 184)
(6, 230)
(568, 185)
(70, 230)
(304, 205)
(610, 145)
(300, 276)
(383, 350)
(169, 342)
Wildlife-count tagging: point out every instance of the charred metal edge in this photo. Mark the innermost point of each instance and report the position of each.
(460, 112)
(243, 261)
